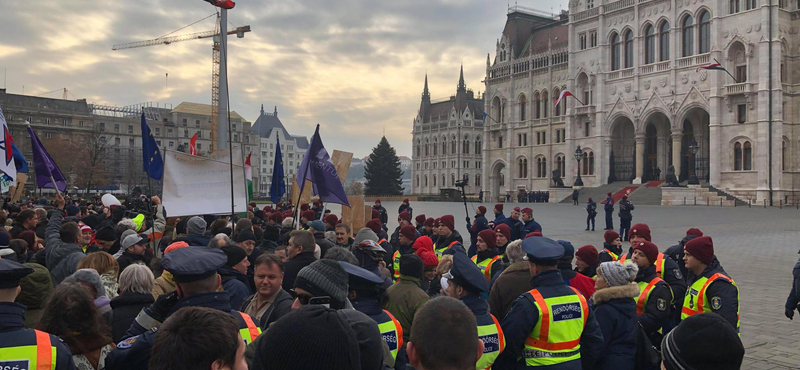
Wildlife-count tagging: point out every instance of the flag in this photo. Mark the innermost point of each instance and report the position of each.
(484, 117)
(19, 160)
(318, 168)
(278, 187)
(7, 148)
(714, 66)
(45, 167)
(563, 95)
(248, 177)
(152, 163)
(193, 145)
(224, 4)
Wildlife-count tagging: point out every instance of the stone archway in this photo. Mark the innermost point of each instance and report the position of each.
(497, 179)
(657, 156)
(622, 158)
(695, 126)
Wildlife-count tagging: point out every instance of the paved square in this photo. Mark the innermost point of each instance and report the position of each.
(757, 246)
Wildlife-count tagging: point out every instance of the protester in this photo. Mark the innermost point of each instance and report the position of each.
(703, 341)
(234, 274)
(343, 236)
(196, 232)
(25, 220)
(370, 256)
(341, 254)
(220, 240)
(323, 278)
(133, 247)
(300, 253)
(512, 282)
(35, 288)
(582, 283)
(406, 296)
(135, 293)
(89, 279)
(586, 261)
(615, 309)
(445, 337)
(270, 302)
(61, 241)
(107, 267)
(166, 282)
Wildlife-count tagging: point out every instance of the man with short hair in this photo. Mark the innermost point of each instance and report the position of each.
(711, 289)
(382, 213)
(234, 275)
(246, 240)
(134, 247)
(343, 236)
(61, 241)
(515, 224)
(653, 306)
(445, 337)
(25, 220)
(300, 253)
(529, 225)
(270, 302)
(406, 296)
(449, 241)
(198, 338)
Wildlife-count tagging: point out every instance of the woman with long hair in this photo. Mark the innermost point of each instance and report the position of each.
(108, 269)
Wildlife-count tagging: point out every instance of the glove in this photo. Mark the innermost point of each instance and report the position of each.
(789, 313)
(161, 307)
(468, 221)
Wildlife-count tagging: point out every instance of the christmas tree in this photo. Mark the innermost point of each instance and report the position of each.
(383, 171)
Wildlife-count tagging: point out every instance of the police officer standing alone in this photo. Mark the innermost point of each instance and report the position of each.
(23, 348)
(536, 335)
(609, 208)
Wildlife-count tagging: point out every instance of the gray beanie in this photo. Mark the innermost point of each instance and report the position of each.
(324, 278)
(196, 226)
(617, 274)
(89, 276)
(365, 234)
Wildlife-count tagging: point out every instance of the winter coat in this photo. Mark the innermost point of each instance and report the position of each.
(584, 284)
(407, 208)
(625, 208)
(197, 240)
(404, 299)
(656, 313)
(35, 289)
(442, 242)
(516, 228)
(675, 252)
(615, 310)
(512, 282)
(62, 258)
(498, 218)
(125, 308)
(236, 284)
(281, 306)
(127, 259)
(164, 284)
(603, 256)
(529, 227)
(591, 209)
(727, 294)
(110, 284)
(293, 266)
(382, 214)
(324, 244)
(793, 299)
(609, 206)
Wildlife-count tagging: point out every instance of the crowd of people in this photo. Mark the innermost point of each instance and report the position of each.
(91, 286)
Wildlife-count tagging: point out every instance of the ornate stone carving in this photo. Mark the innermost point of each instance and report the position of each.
(703, 75)
(725, 34)
(627, 88)
(663, 82)
(684, 79)
(647, 85)
(758, 27)
(613, 89)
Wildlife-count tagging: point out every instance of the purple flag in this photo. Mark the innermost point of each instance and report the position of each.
(318, 168)
(45, 166)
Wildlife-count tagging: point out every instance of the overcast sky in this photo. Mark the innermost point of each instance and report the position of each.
(354, 66)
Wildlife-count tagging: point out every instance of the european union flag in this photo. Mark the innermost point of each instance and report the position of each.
(152, 162)
(278, 186)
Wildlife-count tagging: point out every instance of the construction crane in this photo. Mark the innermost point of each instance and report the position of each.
(64, 97)
(215, 56)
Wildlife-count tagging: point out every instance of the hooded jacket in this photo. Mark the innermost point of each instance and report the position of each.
(615, 311)
(404, 300)
(35, 289)
(512, 282)
(236, 284)
(62, 258)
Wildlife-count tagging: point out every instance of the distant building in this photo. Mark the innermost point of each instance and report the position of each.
(269, 128)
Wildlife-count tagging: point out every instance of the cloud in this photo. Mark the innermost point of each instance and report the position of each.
(356, 67)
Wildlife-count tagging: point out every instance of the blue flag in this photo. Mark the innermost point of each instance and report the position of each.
(19, 161)
(484, 117)
(318, 168)
(152, 162)
(278, 187)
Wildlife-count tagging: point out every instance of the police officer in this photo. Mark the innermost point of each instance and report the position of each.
(466, 282)
(793, 301)
(197, 282)
(23, 348)
(655, 296)
(711, 289)
(551, 325)
(366, 294)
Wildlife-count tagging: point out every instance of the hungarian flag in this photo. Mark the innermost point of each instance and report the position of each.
(714, 66)
(248, 176)
(563, 95)
(193, 145)
(224, 4)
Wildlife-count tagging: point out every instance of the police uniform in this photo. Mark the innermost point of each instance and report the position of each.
(22, 348)
(369, 287)
(186, 265)
(654, 303)
(552, 325)
(466, 274)
(669, 271)
(713, 291)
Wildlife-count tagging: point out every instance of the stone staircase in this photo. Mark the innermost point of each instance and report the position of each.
(646, 196)
(698, 195)
(597, 194)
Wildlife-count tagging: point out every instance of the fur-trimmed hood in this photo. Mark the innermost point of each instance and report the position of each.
(606, 294)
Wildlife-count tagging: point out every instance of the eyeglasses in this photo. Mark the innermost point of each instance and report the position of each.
(303, 298)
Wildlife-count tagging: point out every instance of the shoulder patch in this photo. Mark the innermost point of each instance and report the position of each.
(677, 273)
(661, 304)
(127, 343)
(716, 303)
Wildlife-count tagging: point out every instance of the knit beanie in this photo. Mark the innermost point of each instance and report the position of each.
(409, 232)
(272, 233)
(331, 220)
(650, 250)
(411, 265)
(365, 234)
(308, 215)
(317, 225)
(448, 221)
(89, 277)
(370, 341)
(588, 253)
(276, 217)
(695, 232)
(312, 337)
(640, 229)
(499, 207)
(404, 216)
(610, 236)
(704, 341)
(374, 225)
(503, 229)
(701, 248)
(569, 249)
(196, 226)
(72, 210)
(105, 234)
(482, 210)
(245, 235)
(177, 245)
(303, 207)
(420, 219)
(489, 237)
(617, 274)
(235, 255)
(376, 213)
(532, 234)
(324, 278)
(428, 258)
(428, 222)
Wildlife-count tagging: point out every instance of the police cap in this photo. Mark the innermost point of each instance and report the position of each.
(11, 272)
(360, 278)
(467, 274)
(543, 250)
(191, 264)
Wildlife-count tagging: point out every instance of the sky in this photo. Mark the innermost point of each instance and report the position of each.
(356, 67)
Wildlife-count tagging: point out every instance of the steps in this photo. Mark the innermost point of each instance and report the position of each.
(697, 195)
(597, 194)
(646, 195)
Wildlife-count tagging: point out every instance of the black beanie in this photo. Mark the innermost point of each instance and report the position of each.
(272, 233)
(704, 341)
(245, 235)
(234, 253)
(106, 234)
(411, 265)
(312, 337)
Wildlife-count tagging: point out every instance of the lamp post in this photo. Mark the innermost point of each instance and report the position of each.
(578, 157)
(693, 180)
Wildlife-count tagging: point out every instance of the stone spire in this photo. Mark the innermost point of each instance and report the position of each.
(262, 109)
(425, 105)
(276, 111)
(425, 92)
(461, 85)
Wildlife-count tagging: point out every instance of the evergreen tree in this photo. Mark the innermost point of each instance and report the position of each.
(383, 171)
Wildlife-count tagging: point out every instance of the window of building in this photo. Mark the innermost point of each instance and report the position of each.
(80, 124)
(592, 39)
(557, 109)
(47, 121)
(782, 4)
(734, 6)
(537, 105)
(435, 147)
(478, 147)
(741, 73)
(452, 179)
(582, 38)
(741, 113)
(130, 129)
(500, 142)
(522, 171)
(65, 122)
(751, 4)
(131, 143)
(589, 4)
(519, 139)
(663, 41)
(234, 126)
(466, 164)
(477, 180)
(544, 140)
(748, 156)
(544, 104)
(541, 167)
(558, 136)
(705, 32)
(29, 119)
(116, 127)
(116, 141)
(10, 118)
(687, 27)
(425, 182)
(525, 139)
(591, 163)
(236, 137)
(184, 120)
(616, 50)
(629, 49)
(649, 45)
(200, 136)
(158, 131)
(465, 145)
(197, 123)
(523, 104)
(171, 144)
(158, 142)
(434, 180)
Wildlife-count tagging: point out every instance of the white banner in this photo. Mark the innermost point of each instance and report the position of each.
(196, 185)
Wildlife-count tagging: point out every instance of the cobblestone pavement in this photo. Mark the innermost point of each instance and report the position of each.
(757, 246)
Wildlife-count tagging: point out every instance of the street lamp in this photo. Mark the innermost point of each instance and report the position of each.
(578, 157)
(693, 180)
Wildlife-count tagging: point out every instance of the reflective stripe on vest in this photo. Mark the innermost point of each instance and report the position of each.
(392, 334)
(494, 342)
(381, 241)
(440, 251)
(486, 265)
(645, 289)
(556, 337)
(696, 300)
(660, 263)
(40, 356)
(396, 265)
(614, 257)
(251, 332)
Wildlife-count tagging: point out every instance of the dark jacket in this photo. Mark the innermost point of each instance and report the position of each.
(445, 242)
(293, 266)
(198, 240)
(479, 224)
(348, 245)
(615, 311)
(512, 282)
(591, 208)
(324, 244)
(727, 293)
(498, 218)
(62, 258)
(516, 228)
(14, 334)
(520, 321)
(36, 288)
(604, 256)
(371, 308)
(236, 284)
(674, 278)
(625, 208)
(529, 227)
(675, 252)
(658, 309)
(280, 307)
(127, 259)
(382, 214)
(405, 207)
(609, 206)
(125, 308)
(404, 299)
(793, 299)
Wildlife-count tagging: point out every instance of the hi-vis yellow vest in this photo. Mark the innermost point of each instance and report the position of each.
(494, 342)
(696, 300)
(396, 264)
(486, 265)
(440, 251)
(251, 332)
(40, 356)
(392, 334)
(660, 263)
(556, 337)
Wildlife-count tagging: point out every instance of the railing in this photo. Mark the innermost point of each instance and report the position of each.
(693, 60)
(538, 121)
(740, 88)
(613, 75)
(584, 109)
(586, 14)
(621, 4)
(626, 73)
(663, 66)
(647, 69)
(559, 119)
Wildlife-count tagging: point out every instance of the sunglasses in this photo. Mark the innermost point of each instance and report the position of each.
(303, 298)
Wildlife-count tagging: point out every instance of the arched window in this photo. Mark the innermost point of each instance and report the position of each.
(737, 157)
(426, 180)
(452, 179)
(561, 165)
(444, 144)
(465, 145)
(523, 168)
(434, 180)
(541, 167)
(783, 156)
(418, 149)
(663, 41)
(453, 146)
(478, 180)
(688, 35)
(478, 147)
(557, 109)
(585, 163)
(705, 32)
(435, 146)
(502, 179)
(523, 104)
(748, 156)
(442, 180)
(591, 163)
(537, 105)
(629, 49)
(417, 180)
(649, 45)
(427, 153)
(616, 51)
(544, 104)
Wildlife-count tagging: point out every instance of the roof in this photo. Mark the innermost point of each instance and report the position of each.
(41, 103)
(555, 34)
(520, 25)
(442, 109)
(202, 110)
(267, 122)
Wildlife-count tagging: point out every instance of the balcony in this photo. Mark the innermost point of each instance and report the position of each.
(584, 110)
(655, 67)
(739, 89)
(620, 74)
(617, 5)
(694, 60)
(593, 12)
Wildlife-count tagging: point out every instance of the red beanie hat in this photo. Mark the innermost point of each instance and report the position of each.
(332, 220)
(377, 201)
(695, 232)
(503, 229)
(429, 222)
(277, 217)
(499, 207)
(404, 216)
(375, 213)
(588, 253)
(423, 243)
(528, 211)
(482, 210)
(374, 225)
(532, 234)
(174, 246)
(409, 232)
(428, 258)
(309, 215)
(448, 221)
(405, 200)
(287, 214)
(650, 250)
(420, 219)
(701, 248)
(610, 236)
(304, 207)
(609, 194)
(640, 229)
(489, 237)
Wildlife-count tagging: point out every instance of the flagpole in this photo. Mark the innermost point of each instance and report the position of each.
(53, 181)
(726, 71)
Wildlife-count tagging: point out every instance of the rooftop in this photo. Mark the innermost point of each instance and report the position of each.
(202, 110)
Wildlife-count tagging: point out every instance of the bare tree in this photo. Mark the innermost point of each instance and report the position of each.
(96, 147)
(354, 188)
